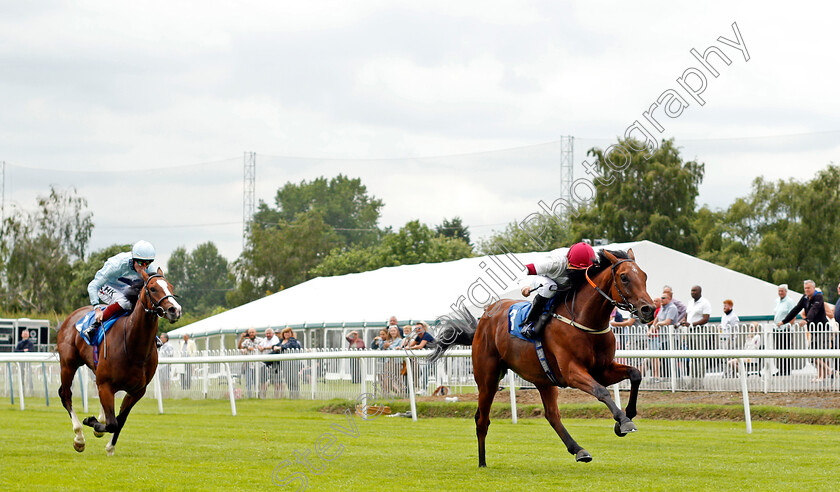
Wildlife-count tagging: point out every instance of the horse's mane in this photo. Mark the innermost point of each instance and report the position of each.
(572, 279)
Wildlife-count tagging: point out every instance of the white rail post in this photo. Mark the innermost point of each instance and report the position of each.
(206, 367)
(158, 391)
(46, 386)
(617, 395)
(747, 417)
(313, 375)
(83, 384)
(514, 416)
(11, 382)
(409, 374)
(672, 362)
(230, 390)
(363, 374)
(20, 384)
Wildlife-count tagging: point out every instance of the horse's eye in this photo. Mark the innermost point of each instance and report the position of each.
(624, 278)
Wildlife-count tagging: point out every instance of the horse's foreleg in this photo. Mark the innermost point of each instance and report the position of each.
(127, 403)
(66, 395)
(579, 378)
(552, 414)
(100, 419)
(619, 372)
(106, 399)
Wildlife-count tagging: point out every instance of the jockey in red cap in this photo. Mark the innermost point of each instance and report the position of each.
(579, 257)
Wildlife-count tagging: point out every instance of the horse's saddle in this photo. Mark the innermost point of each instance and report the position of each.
(99, 335)
(516, 315)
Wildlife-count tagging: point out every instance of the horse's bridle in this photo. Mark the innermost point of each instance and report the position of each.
(156, 309)
(624, 304)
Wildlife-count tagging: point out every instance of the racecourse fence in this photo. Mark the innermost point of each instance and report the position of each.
(674, 359)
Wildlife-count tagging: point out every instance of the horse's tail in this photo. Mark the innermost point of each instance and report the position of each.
(454, 329)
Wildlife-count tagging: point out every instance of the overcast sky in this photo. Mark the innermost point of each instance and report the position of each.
(148, 107)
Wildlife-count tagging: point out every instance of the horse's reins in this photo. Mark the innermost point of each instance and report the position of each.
(624, 304)
(155, 309)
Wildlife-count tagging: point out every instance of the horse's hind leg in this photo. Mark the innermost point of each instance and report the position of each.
(127, 403)
(617, 373)
(487, 378)
(552, 414)
(65, 393)
(581, 379)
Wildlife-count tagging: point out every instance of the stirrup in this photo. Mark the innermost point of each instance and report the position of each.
(91, 330)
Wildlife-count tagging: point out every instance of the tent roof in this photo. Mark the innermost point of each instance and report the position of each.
(428, 290)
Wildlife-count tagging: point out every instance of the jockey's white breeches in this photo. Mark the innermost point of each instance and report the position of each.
(110, 295)
(543, 286)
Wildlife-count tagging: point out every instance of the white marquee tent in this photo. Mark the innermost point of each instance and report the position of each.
(426, 291)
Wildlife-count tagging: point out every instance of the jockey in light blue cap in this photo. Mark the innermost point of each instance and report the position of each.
(113, 283)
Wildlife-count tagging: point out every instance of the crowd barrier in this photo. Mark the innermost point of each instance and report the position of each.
(746, 357)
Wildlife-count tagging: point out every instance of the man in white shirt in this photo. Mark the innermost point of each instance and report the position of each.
(700, 337)
(781, 334)
(728, 323)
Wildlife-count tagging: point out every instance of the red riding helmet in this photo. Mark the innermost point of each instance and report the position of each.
(580, 255)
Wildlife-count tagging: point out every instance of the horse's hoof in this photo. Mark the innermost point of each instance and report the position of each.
(583, 456)
(98, 434)
(79, 447)
(89, 421)
(625, 428)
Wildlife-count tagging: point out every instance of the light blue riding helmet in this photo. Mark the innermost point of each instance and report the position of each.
(143, 250)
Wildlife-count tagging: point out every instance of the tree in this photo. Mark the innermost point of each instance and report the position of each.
(537, 232)
(37, 249)
(343, 203)
(200, 278)
(453, 228)
(651, 199)
(414, 243)
(281, 256)
(781, 232)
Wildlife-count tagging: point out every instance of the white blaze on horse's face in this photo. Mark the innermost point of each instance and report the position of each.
(163, 285)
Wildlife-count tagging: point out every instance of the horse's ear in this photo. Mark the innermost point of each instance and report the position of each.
(610, 256)
(160, 272)
(630, 254)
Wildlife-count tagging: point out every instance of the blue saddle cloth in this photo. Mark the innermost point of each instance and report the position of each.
(99, 335)
(516, 315)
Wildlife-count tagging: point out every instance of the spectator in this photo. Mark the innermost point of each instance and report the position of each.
(620, 327)
(782, 331)
(25, 344)
(271, 369)
(355, 340)
(728, 324)
(681, 309)
(249, 344)
(753, 343)
(667, 316)
(394, 339)
(291, 369)
(187, 348)
(379, 342)
(166, 350)
(422, 337)
(815, 323)
(700, 337)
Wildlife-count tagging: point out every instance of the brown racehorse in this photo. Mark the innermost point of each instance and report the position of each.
(577, 355)
(127, 361)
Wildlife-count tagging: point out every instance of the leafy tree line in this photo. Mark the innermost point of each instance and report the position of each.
(782, 232)
(321, 227)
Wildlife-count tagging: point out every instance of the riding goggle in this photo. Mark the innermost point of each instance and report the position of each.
(143, 262)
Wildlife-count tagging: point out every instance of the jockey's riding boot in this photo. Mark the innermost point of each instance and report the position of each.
(158, 343)
(90, 330)
(533, 318)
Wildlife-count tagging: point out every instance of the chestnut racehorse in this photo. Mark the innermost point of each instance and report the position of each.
(127, 361)
(578, 343)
